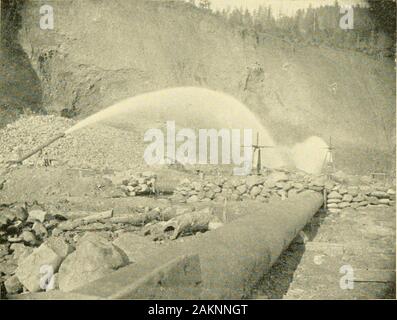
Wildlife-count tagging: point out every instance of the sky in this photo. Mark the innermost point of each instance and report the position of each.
(286, 7)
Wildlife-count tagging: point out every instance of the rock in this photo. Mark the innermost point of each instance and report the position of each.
(242, 189)
(379, 194)
(34, 267)
(287, 186)
(280, 185)
(366, 179)
(359, 198)
(319, 181)
(329, 201)
(94, 258)
(197, 186)
(135, 247)
(60, 246)
(4, 221)
(254, 181)
(38, 215)
(275, 177)
(347, 198)
(213, 225)
(334, 195)
(328, 185)
(365, 190)
(298, 186)
(4, 250)
(21, 213)
(332, 205)
(28, 237)
(14, 228)
(353, 190)
(3, 291)
(255, 191)
(292, 192)
(343, 205)
(193, 199)
(39, 229)
(56, 232)
(340, 176)
(283, 194)
(373, 200)
(20, 251)
(362, 203)
(13, 286)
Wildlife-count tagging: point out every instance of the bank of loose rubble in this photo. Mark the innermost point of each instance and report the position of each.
(46, 249)
(42, 250)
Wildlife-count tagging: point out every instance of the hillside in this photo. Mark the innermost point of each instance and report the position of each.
(104, 51)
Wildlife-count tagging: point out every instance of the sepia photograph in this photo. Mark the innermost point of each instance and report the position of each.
(197, 150)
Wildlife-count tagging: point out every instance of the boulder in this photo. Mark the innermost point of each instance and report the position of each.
(135, 247)
(319, 181)
(280, 185)
(340, 176)
(28, 237)
(38, 215)
(362, 203)
(380, 194)
(20, 251)
(334, 195)
(193, 199)
(94, 258)
(359, 198)
(373, 200)
(353, 190)
(292, 192)
(30, 269)
(254, 181)
(329, 201)
(4, 222)
(60, 246)
(255, 191)
(366, 179)
(277, 176)
(332, 205)
(343, 205)
(4, 250)
(39, 229)
(365, 190)
(329, 185)
(384, 201)
(298, 186)
(347, 198)
(13, 285)
(242, 189)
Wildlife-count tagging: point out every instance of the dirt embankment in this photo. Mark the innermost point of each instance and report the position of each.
(103, 51)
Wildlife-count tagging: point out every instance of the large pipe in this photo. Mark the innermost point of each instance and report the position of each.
(39, 148)
(233, 258)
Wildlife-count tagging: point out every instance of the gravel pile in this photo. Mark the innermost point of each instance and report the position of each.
(96, 147)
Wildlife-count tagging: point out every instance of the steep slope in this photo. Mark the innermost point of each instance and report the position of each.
(101, 52)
